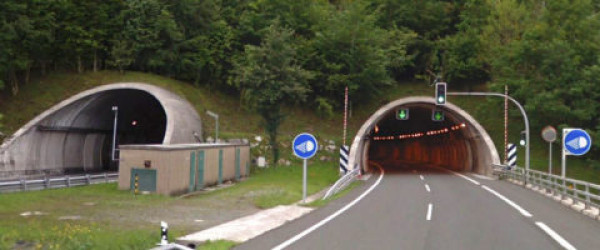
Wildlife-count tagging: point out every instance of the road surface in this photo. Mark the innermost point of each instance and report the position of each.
(426, 208)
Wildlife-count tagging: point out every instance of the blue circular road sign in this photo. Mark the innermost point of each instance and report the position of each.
(305, 146)
(577, 142)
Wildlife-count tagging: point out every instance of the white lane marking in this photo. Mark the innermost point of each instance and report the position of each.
(429, 208)
(564, 243)
(422, 178)
(466, 178)
(427, 187)
(330, 217)
(511, 203)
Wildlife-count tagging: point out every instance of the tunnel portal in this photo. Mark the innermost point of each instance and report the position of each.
(457, 143)
(76, 134)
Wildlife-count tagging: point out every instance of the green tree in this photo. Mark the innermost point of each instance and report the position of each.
(270, 76)
(547, 53)
(349, 49)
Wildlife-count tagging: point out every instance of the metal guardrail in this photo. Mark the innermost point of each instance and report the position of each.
(342, 183)
(580, 191)
(56, 182)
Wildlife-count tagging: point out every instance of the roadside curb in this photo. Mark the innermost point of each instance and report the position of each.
(248, 227)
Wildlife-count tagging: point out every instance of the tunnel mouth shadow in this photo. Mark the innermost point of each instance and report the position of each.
(410, 168)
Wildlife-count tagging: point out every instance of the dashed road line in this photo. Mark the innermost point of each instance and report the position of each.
(429, 210)
(422, 178)
(564, 243)
(427, 188)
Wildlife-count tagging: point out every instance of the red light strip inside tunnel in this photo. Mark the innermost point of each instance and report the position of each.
(420, 134)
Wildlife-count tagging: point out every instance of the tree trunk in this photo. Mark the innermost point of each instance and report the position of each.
(79, 65)
(95, 60)
(14, 82)
(27, 73)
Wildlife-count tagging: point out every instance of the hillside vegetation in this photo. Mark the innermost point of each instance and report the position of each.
(305, 52)
(236, 121)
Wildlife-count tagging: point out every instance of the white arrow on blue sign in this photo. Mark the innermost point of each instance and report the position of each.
(305, 146)
(577, 142)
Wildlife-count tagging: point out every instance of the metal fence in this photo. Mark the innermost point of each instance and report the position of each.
(57, 182)
(580, 191)
(342, 183)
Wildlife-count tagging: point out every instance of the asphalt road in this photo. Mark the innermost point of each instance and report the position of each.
(464, 214)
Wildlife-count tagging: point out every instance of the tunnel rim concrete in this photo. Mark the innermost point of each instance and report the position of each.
(163, 96)
(357, 149)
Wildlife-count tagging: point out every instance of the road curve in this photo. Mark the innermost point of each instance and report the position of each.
(427, 208)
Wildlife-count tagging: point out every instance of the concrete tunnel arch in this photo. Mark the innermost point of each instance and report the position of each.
(474, 152)
(75, 133)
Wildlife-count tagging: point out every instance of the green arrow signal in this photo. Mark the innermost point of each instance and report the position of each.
(438, 115)
(402, 114)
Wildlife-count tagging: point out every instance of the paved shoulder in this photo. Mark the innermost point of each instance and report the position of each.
(579, 230)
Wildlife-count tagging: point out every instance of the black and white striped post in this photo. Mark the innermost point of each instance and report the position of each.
(344, 159)
(164, 231)
(512, 155)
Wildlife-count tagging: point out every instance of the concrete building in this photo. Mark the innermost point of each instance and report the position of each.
(182, 168)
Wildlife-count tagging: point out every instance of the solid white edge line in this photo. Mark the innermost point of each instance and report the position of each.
(429, 208)
(427, 187)
(509, 202)
(466, 178)
(564, 243)
(330, 217)
(422, 178)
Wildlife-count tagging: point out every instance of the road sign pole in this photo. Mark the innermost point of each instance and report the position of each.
(525, 118)
(304, 182)
(305, 146)
(563, 163)
(550, 159)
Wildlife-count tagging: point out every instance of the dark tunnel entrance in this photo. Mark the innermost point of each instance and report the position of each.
(419, 141)
(75, 134)
(458, 142)
(81, 133)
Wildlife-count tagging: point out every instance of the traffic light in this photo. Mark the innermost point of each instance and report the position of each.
(402, 114)
(440, 93)
(437, 115)
(523, 140)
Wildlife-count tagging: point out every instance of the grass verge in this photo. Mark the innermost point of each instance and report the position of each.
(321, 202)
(102, 217)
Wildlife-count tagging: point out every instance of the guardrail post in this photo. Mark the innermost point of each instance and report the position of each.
(68, 181)
(87, 178)
(23, 184)
(105, 178)
(587, 196)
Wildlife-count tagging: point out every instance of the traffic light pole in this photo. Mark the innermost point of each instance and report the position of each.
(525, 117)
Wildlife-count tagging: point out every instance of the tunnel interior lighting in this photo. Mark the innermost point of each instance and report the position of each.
(421, 134)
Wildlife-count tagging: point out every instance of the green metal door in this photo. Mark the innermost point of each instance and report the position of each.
(146, 179)
(200, 170)
(192, 171)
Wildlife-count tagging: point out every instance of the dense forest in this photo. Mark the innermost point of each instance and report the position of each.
(307, 51)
